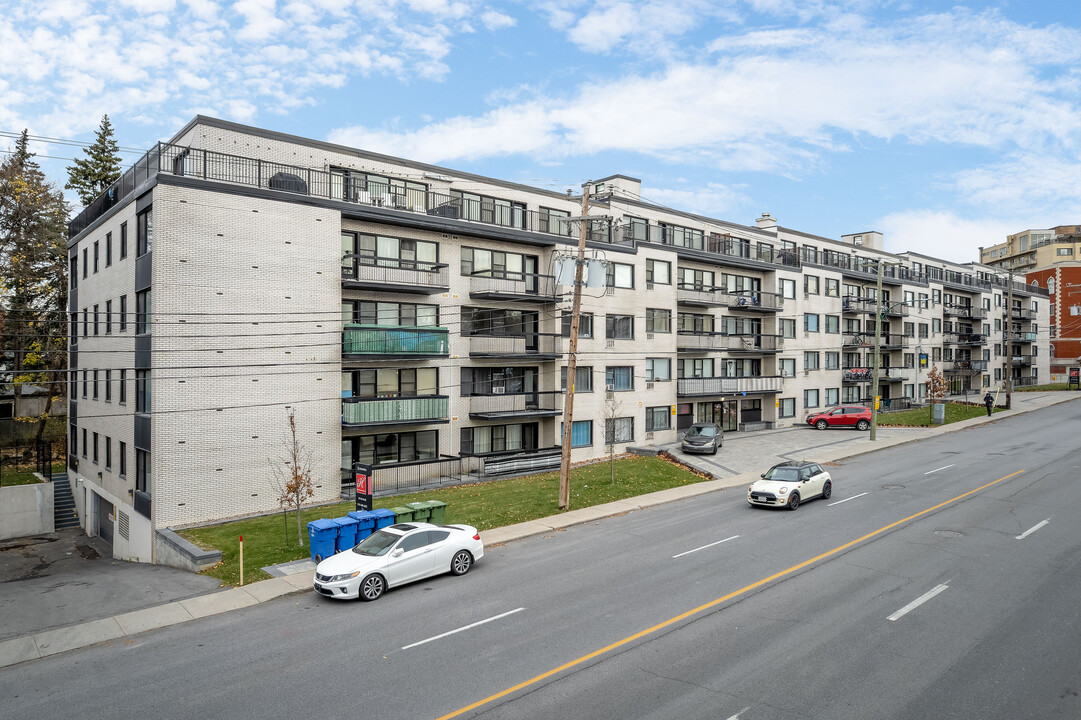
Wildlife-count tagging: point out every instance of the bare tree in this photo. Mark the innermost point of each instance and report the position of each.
(936, 388)
(611, 412)
(293, 474)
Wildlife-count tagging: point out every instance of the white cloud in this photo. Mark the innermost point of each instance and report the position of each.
(1022, 182)
(494, 20)
(948, 235)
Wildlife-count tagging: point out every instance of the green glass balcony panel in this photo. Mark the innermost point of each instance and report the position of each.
(394, 410)
(394, 340)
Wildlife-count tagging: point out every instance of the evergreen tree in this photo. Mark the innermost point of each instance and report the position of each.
(91, 176)
(33, 274)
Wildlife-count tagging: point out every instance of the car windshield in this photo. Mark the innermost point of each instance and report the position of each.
(702, 431)
(783, 474)
(377, 543)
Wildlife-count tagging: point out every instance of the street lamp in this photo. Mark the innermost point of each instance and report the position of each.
(879, 312)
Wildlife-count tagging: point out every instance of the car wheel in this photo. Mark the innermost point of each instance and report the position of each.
(822, 424)
(827, 490)
(461, 562)
(372, 587)
(714, 450)
(863, 425)
(793, 501)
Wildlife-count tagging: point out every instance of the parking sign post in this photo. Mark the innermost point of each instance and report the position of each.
(363, 475)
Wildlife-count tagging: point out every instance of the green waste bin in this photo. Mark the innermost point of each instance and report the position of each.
(402, 514)
(438, 508)
(421, 511)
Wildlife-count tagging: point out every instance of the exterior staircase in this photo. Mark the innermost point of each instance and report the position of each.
(64, 513)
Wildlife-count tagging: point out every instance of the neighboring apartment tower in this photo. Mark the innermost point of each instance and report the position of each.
(1032, 249)
(415, 318)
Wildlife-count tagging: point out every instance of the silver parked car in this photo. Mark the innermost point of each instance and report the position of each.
(703, 438)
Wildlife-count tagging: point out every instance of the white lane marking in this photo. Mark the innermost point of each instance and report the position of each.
(705, 546)
(467, 627)
(1032, 529)
(846, 500)
(918, 601)
(945, 467)
(736, 716)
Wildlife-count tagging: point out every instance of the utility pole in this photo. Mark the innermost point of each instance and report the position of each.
(878, 342)
(1009, 341)
(572, 363)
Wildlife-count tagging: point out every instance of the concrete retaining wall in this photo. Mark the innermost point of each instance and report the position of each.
(26, 510)
(175, 551)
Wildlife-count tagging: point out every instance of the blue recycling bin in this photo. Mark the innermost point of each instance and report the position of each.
(365, 522)
(347, 533)
(383, 518)
(322, 535)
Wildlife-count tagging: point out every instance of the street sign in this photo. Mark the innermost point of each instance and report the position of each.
(363, 475)
(1075, 377)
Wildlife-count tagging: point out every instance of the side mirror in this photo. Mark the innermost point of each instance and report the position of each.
(763, 476)
(397, 552)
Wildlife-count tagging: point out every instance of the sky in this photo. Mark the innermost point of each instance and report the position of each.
(943, 126)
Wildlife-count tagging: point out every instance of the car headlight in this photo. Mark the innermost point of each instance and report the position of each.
(345, 576)
(782, 491)
(750, 488)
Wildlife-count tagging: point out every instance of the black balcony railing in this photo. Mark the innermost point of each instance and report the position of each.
(142, 503)
(435, 472)
(503, 405)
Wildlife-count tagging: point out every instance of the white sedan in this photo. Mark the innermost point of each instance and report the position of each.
(397, 555)
(788, 484)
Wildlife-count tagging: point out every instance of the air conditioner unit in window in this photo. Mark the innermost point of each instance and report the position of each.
(610, 291)
(610, 343)
(649, 336)
(649, 286)
(609, 388)
(649, 386)
(498, 390)
(649, 436)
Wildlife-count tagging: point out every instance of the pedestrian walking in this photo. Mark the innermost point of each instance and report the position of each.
(989, 402)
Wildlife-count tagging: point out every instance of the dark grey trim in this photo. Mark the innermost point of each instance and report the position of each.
(73, 300)
(142, 433)
(347, 427)
(195, 555)
(143, 189)
(73, 412)
(615, 177)
(144, 201)
(142, 351)
(143, 268)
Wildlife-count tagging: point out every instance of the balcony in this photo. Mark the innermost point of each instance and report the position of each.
(512, 286)
(964, 366)
(895, 310)
(688, 387)
(1023, 337)
(394, 341)
(894, 374)
(141, 501)
(733, 248)
(1025, 382)
(368, 273)
(856, 305)
(964, 338)
(856, 375)
(526, 346)
(1021, 360)
(515, 405)
(754, 302)
(359, 412)
(1023, 314)
(707, 342)
(699, 296)
(964, 311)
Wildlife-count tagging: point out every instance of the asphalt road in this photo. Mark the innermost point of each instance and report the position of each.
(900, 597)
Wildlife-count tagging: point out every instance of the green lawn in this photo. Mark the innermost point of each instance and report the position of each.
(270, 540)
(23, 475)
(921, 417)
(1043, 388)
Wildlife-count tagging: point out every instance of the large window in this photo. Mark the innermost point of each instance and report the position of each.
(498, 264)
(810, 398)
(486, 209)
(554, 221)
(387, 251)
(359, 186)
(658, 369)
(144, 239)
(142, 312)
(619, 327)
(498, 438)
(658, 320)
(388, 448)
(498, 380)
(810, 360)
(142, 470)
(691, 279)
(786, 407)
(658, 272)
(390, 383)
(390, 313)
(618, 275)
(618, 430)
(658, 418)
(143, 393)
(581, 433)
(619, 377)
(694, 323)
(583, 379)
(681, 236)
(585, 324)
(497, 321)
(788, 328)
(787, 367)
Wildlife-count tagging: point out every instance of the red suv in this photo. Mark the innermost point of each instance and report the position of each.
(856, 416)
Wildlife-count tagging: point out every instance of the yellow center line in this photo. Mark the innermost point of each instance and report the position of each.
(711, 603)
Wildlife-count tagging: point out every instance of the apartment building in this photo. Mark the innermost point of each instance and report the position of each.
(1030, 249)
(416, 318)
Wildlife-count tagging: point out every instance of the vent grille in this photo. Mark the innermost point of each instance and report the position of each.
(124, 526)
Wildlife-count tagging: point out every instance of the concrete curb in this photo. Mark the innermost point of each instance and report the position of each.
(51, 642)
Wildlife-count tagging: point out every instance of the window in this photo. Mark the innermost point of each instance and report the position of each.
(618, 430)
(810, 322)
(619, 327)
(142, 470)
(108, 249)
(936, 354)
(95, 455)
(618, 275)
(86, 383)
(390, 382)
(694, 323)
(923, 301)
(389, 448)
(787, 367)
(95, 384)
(407, 314)
(97, 320)
(122, 453)
(620, 377)
(833, 396)
(810, 360)
(123, 240)
(923, 330)
(658, 418)
(936, 326)
(123, 313)
(788, 289)
(108, 453)
(658, 272)
(108, 386)
(74, 435)
(583, 379)
(788, 328)
(833, 287)
(810, 398)
(936, 297)
(658, 369)
(581, 433)
(86, 263)
(585, 324)
(554, 221)
(498, 438)
(909, 329)
(392, 252)
(1064, 251)
(833, 361)
(142, 391)
(108, 317)
(122, 386)
(909, 360)
(833, 323)
(97, 253)
(658, 321)
(144, 232)
(142, 312)
(786, 407)
(810, 284)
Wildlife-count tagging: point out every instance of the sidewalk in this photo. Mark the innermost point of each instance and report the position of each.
(743, 457)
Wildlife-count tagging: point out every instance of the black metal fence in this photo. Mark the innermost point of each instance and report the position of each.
(18, 461)
(420, 475)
